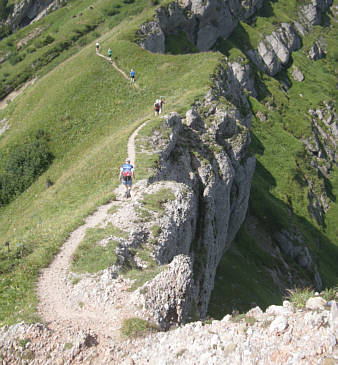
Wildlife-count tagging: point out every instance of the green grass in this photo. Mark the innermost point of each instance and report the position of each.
(70, 32)
(91, 257)
(179, 44)
(156, 201)
(136, 327)
(142, 276)
(241, 281)
(89, 111)
(298, 297)
(155, 230)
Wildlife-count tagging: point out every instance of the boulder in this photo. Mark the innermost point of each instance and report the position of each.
(297, 74)
(315, 303)
(279, 324)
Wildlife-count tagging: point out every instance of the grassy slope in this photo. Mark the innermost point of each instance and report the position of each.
(89, 110)
(241, 277)
(70, 32)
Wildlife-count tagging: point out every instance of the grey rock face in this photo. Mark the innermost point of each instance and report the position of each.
(292, 244)
(168, 297)
(243, 73)
(311, 14)
(153, 37)
(322, 147)
(211, 185)
(202, 21)
(274, 51)
(316, 52)
(25, 11)
(297, 74)
(205, 21)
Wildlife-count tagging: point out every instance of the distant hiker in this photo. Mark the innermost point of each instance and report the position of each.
(97, 46)
(161, 103)
(157, 106)
(109, 53)
(127, 173)
(132, 75)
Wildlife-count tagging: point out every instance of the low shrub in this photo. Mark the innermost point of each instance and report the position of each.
(298, 297)
(22, 164)
(15, 58)
(134, 327)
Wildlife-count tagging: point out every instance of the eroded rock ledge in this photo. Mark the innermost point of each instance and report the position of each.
(204, 22)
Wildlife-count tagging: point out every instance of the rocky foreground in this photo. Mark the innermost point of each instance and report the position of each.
(280, 335)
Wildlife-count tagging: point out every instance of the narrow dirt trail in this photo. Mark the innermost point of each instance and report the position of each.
(117, 68)
(62, 305)
(131, 143)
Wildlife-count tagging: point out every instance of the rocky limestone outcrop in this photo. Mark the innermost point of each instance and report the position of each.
(280, 335)
(24, 12)
(322, 148)
(317, 51)
(297, 74)
(208, 155)
(293, 245)
(202, 22)
(167, 298)
(273, 52)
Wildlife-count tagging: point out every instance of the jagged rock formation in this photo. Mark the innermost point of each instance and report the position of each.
(26, 11)
(167, 298)
(317, 51)
(322, 149)
(204, 22)
(280, 335)
(208, 156)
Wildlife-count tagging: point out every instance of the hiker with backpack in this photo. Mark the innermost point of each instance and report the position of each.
(157, 107)
(110, 53)
(132, 75)
(97, 47)
(127, 173)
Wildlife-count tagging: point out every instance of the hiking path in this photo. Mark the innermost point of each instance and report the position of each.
(87, 302)
(116, 67)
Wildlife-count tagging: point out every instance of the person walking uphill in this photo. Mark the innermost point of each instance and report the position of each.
(157, 107)
(127, 173)
(97, 47)
(110, 53)
(132, 75)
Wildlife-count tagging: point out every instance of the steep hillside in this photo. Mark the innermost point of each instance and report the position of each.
(293, 196)
(271, 68)
(88, 110)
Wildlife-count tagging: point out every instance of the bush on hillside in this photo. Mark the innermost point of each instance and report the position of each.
(15, 58)
(23, 164)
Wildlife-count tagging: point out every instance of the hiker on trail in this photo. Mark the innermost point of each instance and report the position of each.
(132, 75)
(109, 53)
(127, 173)
(157, 106)
(161, 104)
(97, 46)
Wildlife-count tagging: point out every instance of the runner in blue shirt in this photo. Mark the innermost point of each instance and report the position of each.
(127, 173)
(132, 75)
